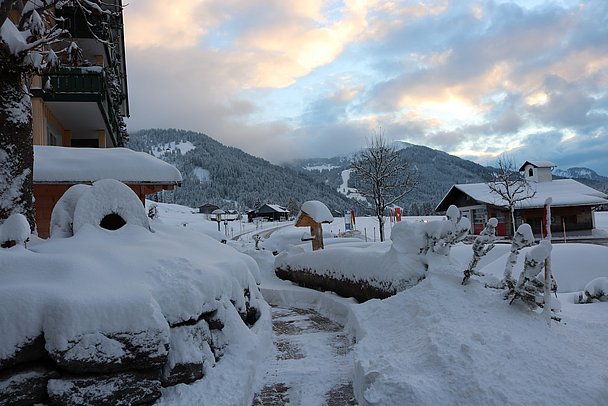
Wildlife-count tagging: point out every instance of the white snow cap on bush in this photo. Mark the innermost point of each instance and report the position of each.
(62, 216)
(318, 211)
(15, 228)
(106, 197)
(597, 288)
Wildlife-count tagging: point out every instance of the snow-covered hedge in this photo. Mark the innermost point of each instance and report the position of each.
(371, 271)
(113, 307)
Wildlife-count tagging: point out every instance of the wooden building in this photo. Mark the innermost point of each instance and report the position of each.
(269, 212)
(572, 202)
(84, 106)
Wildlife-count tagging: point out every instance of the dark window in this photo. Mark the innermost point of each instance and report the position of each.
(86, 143)
(531, 172)
(112, 222)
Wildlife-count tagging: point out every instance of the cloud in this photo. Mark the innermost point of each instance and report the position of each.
(284, 79)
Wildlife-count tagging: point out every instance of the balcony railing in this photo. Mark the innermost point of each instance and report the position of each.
(81, 84)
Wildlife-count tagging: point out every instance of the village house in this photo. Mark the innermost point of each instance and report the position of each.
(572, 207)
(77, 118)
(269, 212)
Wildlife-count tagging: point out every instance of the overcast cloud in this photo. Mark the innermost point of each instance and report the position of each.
(285, 80)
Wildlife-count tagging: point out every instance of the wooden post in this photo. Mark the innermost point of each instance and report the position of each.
(317, 237)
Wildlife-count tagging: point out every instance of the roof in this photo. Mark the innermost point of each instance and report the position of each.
(563, 192)
(273, 208)
(538, 164)
(83, 165)
(317, 211)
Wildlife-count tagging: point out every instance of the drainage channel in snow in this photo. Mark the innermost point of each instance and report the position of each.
(312, 362)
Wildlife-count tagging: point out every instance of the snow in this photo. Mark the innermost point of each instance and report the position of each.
(62, 164)
(317, 210)
(125, 281)
(13, 37)
(438, 342)
(573, 265)
(349, 191)
(539, 164)
(15, 228)
(62, 216)
(183, 147)
(321, 168)
(105, 197)
(564, 192)
(201, 174)
(598, 288)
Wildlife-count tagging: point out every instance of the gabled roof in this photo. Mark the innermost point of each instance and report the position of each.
(85, 165)
(270, 208)
(538, 164)
(564, 192)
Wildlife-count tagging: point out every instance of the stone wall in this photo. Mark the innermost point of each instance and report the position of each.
(115, 369)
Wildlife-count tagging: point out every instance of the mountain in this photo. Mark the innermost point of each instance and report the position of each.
(584, 175)
(228, 177)
(437, 170)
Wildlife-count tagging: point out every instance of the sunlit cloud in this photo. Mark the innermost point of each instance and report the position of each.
(282, 79)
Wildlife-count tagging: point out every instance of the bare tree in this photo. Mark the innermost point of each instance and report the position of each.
(508, 184)
(384, 176)
(29, 45)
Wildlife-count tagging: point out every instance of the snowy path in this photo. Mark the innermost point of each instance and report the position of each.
(313, 363)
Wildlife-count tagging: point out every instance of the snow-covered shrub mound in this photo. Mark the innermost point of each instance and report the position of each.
(113, 309)
(62, 216)
(597, 290)
(109, 204)
(14, 230)
(366, 271)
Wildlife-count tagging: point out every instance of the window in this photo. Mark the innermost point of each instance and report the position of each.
(531, 172)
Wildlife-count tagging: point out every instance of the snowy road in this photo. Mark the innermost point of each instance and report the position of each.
(312, 363)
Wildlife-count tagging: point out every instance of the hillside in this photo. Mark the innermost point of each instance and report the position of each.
(438, 171)
(228, 177)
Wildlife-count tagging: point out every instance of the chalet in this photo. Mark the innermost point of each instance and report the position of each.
(207, 208)
(269, 212)
(84, 106)
(572, 202)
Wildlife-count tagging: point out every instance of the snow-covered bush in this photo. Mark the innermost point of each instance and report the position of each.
(596, 291)
(109, 204)
(523, 238)
(15, 230)
(530, 284)
(153, 212)
(443, 234)
(482, 245)
(62, 216)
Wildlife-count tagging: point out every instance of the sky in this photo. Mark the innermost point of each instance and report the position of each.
(317, 78)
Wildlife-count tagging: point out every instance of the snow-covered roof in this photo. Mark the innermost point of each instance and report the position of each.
(317, 210)
(538, 164)
(277, 208)
(564, 192)
(74, 165)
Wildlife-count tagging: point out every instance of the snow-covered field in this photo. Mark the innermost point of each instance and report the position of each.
(436, 343)
(444, 343)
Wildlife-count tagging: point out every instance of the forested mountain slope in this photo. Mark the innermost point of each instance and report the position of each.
(228, 177)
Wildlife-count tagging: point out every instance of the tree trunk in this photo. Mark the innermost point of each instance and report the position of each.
(381, 226)
(16, 146)
(512, 221)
